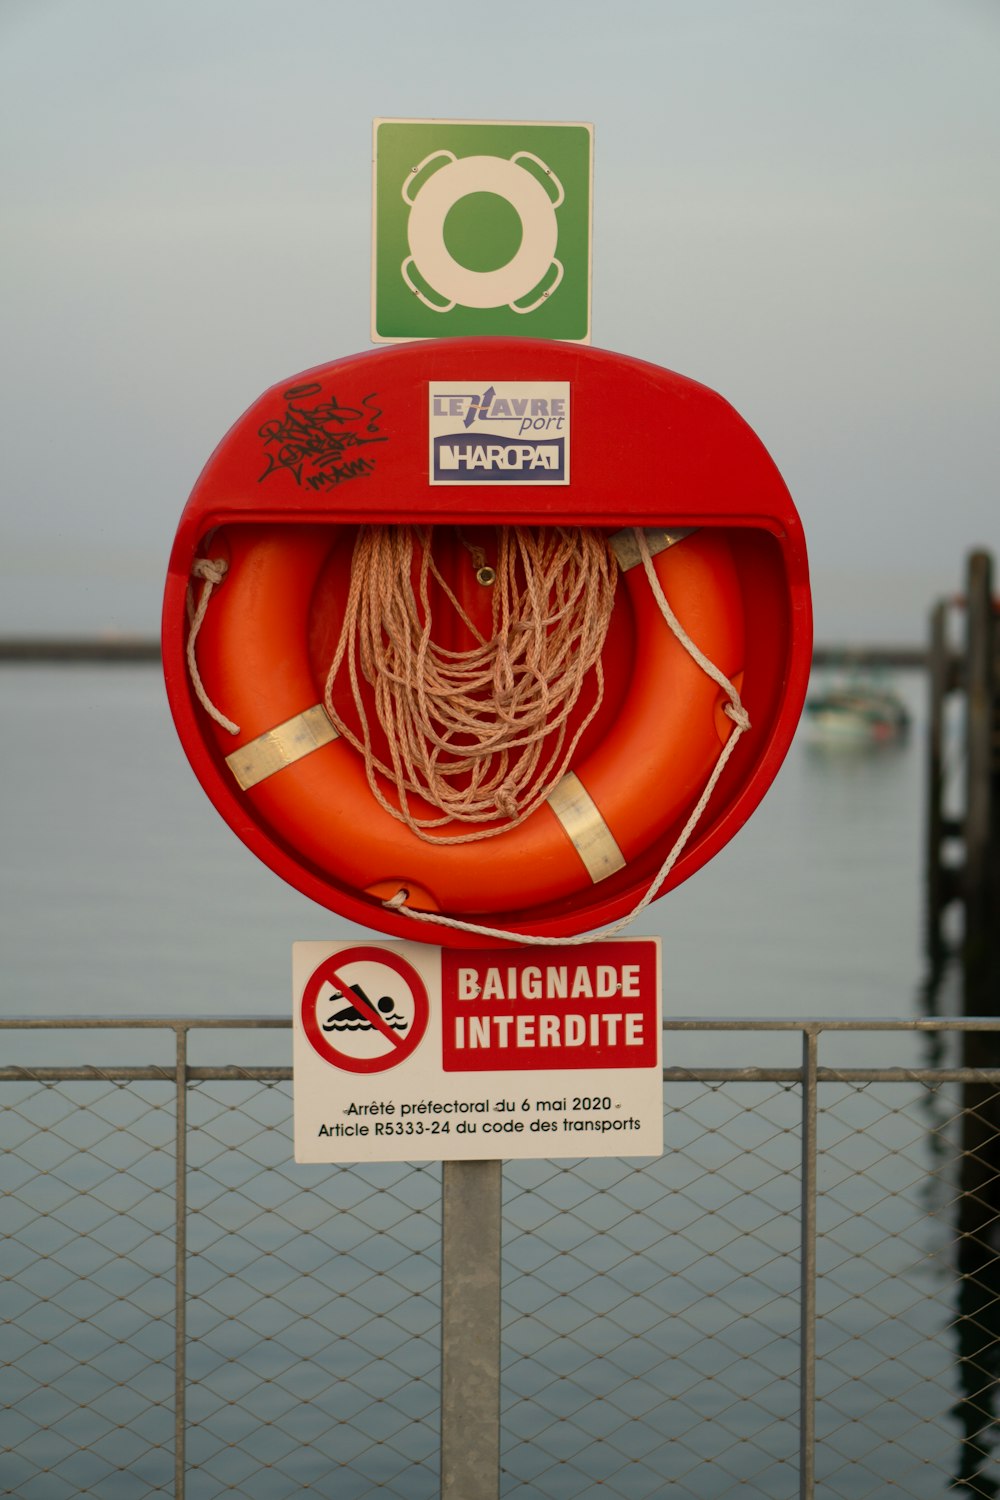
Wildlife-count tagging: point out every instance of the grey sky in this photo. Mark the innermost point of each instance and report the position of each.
(795, 202)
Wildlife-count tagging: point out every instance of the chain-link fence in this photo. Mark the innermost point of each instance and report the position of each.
(802, 1296)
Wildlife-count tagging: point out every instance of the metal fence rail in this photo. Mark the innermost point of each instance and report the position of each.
(801, 1296)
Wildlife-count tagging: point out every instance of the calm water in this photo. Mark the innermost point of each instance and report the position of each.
(123, 891)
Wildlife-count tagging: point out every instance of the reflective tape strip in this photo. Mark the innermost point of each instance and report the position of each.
(626, 548)
(591, 837)
(281, 746)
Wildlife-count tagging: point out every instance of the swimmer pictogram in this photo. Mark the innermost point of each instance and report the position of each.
(359, 1015)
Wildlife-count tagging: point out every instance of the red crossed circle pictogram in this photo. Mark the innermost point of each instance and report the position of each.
(378, 1009)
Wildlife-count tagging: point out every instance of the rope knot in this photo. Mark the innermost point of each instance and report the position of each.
(507, 802)
(212, 569)
(738, 714)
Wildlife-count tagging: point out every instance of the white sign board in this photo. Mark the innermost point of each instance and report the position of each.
(405, 1052)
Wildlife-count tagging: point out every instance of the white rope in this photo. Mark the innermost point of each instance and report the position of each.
(212, 571)
(483, 735)
(741, 723)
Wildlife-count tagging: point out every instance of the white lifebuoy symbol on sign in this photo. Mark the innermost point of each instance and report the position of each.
(535, 258)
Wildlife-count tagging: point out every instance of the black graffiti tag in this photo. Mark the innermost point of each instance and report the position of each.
(316, 440)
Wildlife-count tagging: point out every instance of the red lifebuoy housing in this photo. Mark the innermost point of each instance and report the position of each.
(347, 445)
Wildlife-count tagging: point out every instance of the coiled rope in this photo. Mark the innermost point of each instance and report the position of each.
(482, 735)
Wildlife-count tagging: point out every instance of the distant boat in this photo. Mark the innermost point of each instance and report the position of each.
(861, 711)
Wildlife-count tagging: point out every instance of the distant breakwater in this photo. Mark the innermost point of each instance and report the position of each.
(90, 650)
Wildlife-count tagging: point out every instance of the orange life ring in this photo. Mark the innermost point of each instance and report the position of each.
(638, 783)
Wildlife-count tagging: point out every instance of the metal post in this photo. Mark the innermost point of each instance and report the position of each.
(470, 1330)
(807, 1313)
(180, 1266)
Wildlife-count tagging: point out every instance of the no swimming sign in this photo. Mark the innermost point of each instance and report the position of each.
(407, 1052)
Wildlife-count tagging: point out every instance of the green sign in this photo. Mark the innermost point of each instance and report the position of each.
(481, 228)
